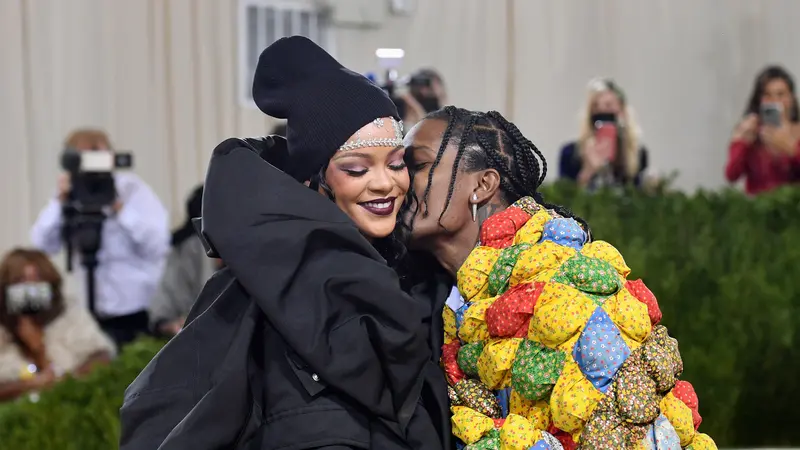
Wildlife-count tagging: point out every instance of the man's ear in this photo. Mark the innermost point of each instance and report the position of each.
(488, 183)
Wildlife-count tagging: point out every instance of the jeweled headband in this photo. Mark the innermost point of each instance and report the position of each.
(359, 142)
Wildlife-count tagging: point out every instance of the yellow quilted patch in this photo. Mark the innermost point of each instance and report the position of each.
(574, 399)
(629, 315)
(473, 328)
(545, 257)
(680, 416)
(703, 442)
(561, 312)
(518, 434)
(449, 317)
(494, 363)
(531, 232)
(538, 412)
(469, 425)
(473, 276)
(605, 251)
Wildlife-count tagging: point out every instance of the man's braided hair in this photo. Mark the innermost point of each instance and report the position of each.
(490, 141)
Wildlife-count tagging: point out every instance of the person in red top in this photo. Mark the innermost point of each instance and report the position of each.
(768, 156)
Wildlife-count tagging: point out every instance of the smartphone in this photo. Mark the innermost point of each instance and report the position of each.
(605, 126)
(771, 114)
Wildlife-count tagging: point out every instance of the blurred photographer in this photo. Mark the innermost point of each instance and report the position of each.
(425, 93)
(765, 146)
(132, 238)
(188, 268)
(43, 336)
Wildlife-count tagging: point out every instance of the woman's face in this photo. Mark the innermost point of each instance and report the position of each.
(777, 91)
(422, 144)
(370, 184)
(606, 102)
(30, 274)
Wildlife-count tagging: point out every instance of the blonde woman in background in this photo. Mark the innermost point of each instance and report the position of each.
(608, 151)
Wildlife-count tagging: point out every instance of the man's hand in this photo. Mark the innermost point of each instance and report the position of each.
(64, 186)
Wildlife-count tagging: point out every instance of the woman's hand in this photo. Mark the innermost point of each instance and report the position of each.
(43, 379)
(31, 335)
(595, 156)
(779, 139)
(747, 130)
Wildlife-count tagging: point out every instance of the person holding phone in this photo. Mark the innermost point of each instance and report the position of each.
(765, 146)
(608, 151)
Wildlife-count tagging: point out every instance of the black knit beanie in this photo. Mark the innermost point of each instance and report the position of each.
(323, 102)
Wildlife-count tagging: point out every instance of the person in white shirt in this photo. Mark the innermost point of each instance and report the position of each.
(134, 244)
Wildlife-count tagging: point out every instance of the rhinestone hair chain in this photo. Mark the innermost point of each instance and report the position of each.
(370, 141)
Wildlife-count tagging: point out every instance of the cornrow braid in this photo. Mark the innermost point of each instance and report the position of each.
(452, 113)
(521, 165)
(521, 142)
(462, 146)
(508, 180)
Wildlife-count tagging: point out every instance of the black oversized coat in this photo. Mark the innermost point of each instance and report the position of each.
(304, 340)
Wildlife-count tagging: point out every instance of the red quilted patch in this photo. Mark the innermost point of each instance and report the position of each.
(563, 437)
(684, 391)
(450, 362)
(498, 423)
(643, 294)
(510, 314)
(498, 231)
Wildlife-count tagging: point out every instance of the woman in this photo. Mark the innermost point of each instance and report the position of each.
(187, 270)
(538, 298)
(765, 146)
(608, 151)
(305, 339)
(42, 336)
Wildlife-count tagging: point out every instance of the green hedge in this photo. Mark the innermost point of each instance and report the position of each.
(726, 271)
(76, 414)
(724, 267)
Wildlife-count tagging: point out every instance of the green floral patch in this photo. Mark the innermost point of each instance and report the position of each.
(501, 271)
(536, 370)
(597, 299)
(468, 358)
(589, 275)
(491, 441)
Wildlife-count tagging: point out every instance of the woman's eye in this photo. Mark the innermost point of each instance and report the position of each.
(355, 172)
(420, 166)
(398, 167)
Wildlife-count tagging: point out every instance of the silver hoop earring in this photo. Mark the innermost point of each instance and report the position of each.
(475, 208)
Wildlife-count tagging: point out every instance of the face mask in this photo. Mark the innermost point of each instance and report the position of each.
(28, 298)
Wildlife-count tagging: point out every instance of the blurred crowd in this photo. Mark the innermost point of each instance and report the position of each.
(147, 277)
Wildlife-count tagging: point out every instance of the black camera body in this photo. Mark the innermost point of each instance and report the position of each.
(92, 179)
(420, 79)
(84, 211)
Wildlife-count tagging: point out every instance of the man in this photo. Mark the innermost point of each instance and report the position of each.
(134, 244)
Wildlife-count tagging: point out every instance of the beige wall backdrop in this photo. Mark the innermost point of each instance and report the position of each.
(161, 76)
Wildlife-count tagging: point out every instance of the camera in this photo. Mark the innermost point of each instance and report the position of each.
(91, 174)
(84, 211)
(420, 79)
